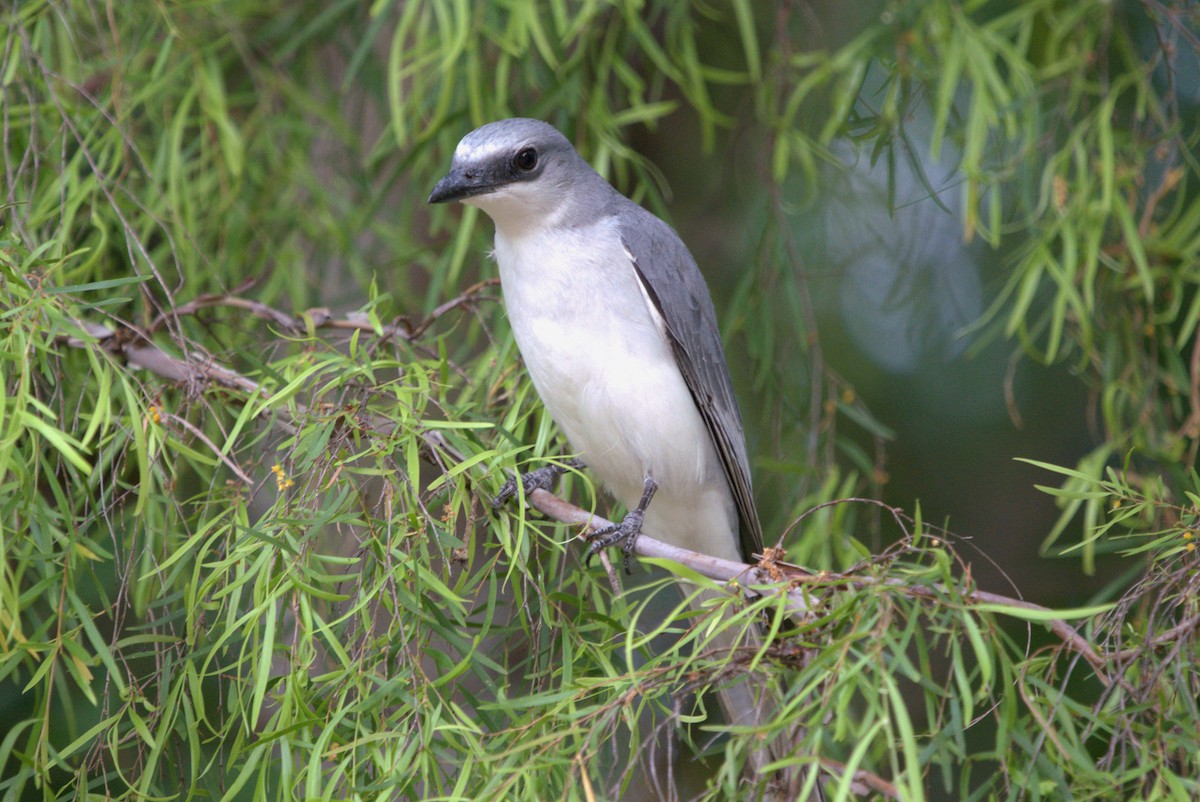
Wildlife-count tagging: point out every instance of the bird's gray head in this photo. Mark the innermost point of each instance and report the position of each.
(521, 171)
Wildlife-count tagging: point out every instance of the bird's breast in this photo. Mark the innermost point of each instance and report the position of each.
(600, 363)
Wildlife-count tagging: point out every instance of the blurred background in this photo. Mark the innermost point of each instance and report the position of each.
(893, 293)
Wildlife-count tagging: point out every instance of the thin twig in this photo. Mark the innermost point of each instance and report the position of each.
(321, 317)
(863, 782)
(199, 435)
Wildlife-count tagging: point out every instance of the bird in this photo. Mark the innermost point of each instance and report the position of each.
(618, 333)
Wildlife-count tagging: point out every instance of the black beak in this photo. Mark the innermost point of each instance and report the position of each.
(448, 189)
(458, 185)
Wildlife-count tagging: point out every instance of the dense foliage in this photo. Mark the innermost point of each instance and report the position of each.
(255, 396)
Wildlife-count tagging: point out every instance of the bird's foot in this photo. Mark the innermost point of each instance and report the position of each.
(626, 532)
(542, 478)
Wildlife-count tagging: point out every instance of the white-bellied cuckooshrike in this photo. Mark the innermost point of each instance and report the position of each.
(617, 329)
(618, 332)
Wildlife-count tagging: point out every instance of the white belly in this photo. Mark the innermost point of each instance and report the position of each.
(608, 378)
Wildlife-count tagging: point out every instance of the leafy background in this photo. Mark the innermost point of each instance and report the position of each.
(256, 394)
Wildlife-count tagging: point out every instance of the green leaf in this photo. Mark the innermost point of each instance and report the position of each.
(1043, 615)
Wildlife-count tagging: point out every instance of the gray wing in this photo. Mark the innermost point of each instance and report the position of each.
(675, 286)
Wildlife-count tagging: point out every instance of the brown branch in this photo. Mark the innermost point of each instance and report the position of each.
(468, 296)
(1065, 632)
(402, 328)
(1185, 627)
(756, 577)
(137, 350)
(140, 351)
(1170, 180)
(764, 578)
(862, 783)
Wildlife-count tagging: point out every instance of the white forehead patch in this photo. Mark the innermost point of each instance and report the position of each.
(477, 151)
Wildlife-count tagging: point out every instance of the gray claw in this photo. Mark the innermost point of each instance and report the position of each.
(625, 533)
(542, 478)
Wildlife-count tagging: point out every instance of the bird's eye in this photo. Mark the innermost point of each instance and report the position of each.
(525, 159)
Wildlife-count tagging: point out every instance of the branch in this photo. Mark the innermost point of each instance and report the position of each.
(402, 328)
(766, 575)
(756, 577)
(199, 435)
(140, 351)
(136, 348)
(862, 783)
